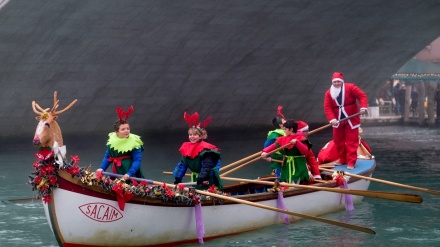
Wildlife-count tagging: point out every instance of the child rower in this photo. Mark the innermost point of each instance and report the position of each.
(275, 158)
(294, 168)
(201, 157)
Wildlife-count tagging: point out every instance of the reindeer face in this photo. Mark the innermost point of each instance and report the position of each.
(45, 131)
(48, 131)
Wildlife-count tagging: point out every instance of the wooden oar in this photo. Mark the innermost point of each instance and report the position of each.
(328, 125)
(240, 161)
(255, 157)
(258, 205)
(189, 175)
(434, 192)
(146, 180)
(240, 166)
(252, 161)
(364, 149)
(412, 198)
(337, 223)
(367, 193)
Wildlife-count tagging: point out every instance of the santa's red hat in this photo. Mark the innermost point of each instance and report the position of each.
(338, 76)
(302, 126)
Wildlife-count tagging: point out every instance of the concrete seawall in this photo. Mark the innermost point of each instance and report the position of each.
(233, 60)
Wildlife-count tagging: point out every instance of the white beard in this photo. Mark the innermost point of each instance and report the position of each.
(334, 92)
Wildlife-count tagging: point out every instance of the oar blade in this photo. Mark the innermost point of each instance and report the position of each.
(430, 191)
(333, 222)
(328, 221)
(411, 198)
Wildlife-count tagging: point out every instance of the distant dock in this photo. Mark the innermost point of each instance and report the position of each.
(384, 119)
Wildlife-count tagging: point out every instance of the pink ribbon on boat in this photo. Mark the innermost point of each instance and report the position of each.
(341, 181)
(199, 222)
(348, 200)
(282, 205)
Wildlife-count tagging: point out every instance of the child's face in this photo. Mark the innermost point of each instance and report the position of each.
(123, 131)
(282, 122)
(288, 131)
(194, 136)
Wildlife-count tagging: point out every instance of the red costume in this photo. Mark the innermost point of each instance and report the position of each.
(345, 133)
(310, 156)
(328, 153)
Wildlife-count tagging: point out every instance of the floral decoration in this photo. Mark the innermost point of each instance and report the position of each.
(43, 180)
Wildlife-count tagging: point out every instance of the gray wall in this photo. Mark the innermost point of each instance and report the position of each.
(234, 60)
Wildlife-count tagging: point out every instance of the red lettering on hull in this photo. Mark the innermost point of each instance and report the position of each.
(101, 212)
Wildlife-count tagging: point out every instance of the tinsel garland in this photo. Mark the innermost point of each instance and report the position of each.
(417, 76)
(44, 179)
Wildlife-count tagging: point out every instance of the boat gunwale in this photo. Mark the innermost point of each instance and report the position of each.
(73, 184)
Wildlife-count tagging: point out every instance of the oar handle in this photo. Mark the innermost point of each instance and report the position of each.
(328, 125)
(239, 167)
(255, 159)
(364, 149)
(368, 193)
(253, 156)
(319, 129)
(240, 161)
(145, 180)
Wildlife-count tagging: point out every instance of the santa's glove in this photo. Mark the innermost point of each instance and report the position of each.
(177, 181)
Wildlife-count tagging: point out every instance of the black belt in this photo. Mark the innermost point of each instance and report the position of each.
(344, 105)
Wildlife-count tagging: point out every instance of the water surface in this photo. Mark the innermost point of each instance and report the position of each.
(407, 155)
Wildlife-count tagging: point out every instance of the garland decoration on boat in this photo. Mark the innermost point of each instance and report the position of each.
(44, 179)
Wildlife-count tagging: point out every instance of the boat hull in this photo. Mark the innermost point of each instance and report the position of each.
(80, 216)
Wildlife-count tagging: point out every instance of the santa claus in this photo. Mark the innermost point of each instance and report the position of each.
(342, 100)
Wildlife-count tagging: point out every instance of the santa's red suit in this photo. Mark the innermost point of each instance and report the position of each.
(328, 153)
(345, 133)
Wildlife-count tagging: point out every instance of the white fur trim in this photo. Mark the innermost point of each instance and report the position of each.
(306, 128)
(317, 177)
(338, 79)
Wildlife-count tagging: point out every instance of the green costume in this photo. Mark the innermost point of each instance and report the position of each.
(203, 159)
(271, 137)
(294, 167)
(125, 155)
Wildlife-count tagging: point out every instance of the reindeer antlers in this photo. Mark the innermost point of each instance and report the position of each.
(124, 115)
(40, 111)
(193, 120)
(205, 122)
(279, 114)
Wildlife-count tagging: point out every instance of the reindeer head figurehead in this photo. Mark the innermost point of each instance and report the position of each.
(48, 131)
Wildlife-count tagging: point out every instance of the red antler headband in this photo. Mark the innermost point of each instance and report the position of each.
(123, 115)
(205, 123)
(279, 114)
(193, 119)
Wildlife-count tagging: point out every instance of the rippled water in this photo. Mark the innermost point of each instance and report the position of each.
(407, 155)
